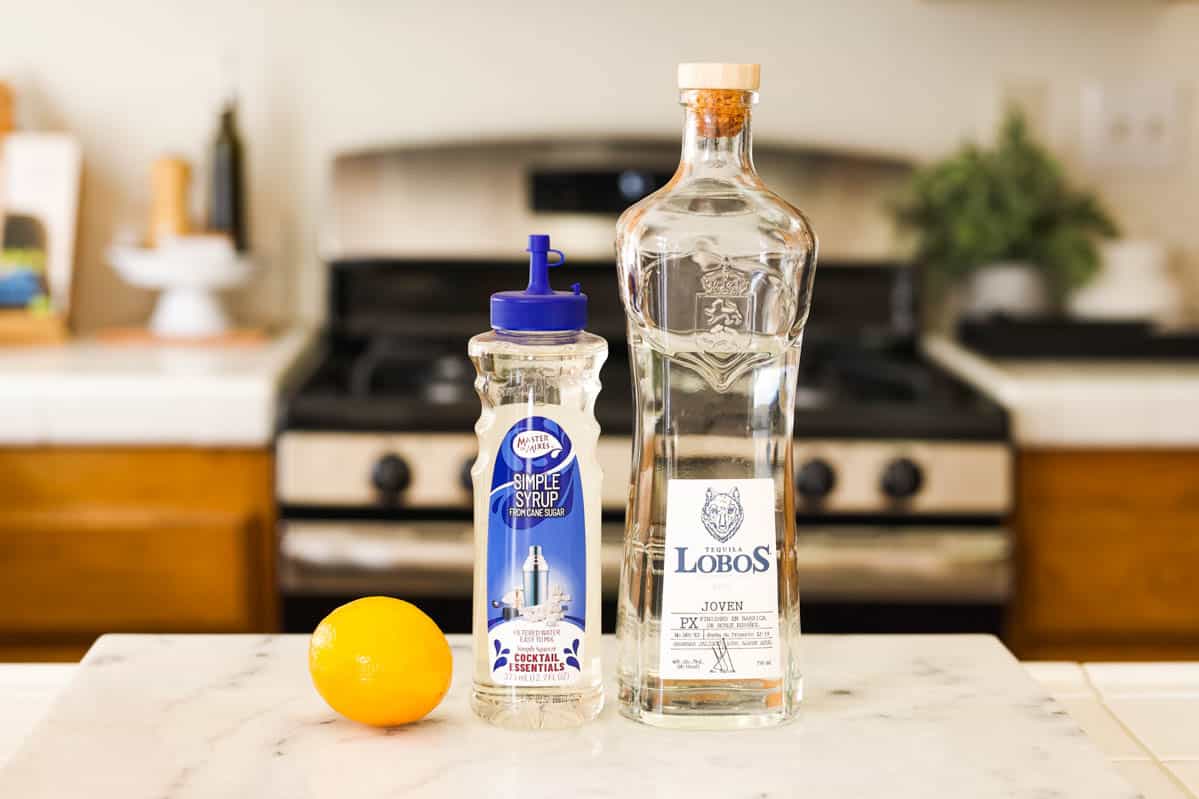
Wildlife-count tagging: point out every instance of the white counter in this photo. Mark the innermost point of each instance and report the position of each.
(26, 692)
(1084, 403)
(895, 716)
(1142, 716)
(87, 392)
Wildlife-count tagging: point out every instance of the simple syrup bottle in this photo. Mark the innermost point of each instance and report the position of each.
(716, 276)
(537, 507)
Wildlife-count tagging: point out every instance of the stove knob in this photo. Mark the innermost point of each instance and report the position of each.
(901, 479)
(390, 476)
(815, 480)
(464, 477)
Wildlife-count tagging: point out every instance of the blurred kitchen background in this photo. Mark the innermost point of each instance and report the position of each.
(998, 427)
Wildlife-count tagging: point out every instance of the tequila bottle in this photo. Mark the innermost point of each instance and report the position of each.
(715, 275)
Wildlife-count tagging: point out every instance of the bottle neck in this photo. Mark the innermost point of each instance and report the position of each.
(538, 338)
(717, 141)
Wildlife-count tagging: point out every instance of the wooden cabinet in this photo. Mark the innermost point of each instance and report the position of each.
(1107, 555)
(96, 540)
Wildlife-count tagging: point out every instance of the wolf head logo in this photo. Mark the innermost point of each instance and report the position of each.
(722, 514)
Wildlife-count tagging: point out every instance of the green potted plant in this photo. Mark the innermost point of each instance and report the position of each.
(1004, 221)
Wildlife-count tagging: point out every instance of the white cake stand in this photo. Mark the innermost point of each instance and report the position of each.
(188, 278)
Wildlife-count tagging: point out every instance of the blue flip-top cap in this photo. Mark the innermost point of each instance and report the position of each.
(539, 307)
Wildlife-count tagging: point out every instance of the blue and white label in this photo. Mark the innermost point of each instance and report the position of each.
(720, 617)
(536, 557)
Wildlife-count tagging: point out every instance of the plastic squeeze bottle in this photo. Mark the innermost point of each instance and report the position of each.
(537, 507)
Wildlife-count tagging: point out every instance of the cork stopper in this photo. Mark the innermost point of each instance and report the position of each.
(717, 95)
(738, 77)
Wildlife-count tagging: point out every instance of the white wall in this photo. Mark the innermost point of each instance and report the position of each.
(137, 78)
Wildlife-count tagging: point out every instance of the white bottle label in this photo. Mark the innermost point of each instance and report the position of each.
(720, 612)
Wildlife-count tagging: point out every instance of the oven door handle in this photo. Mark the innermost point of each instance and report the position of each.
(368, 546)
(919, 564)
(873, 564)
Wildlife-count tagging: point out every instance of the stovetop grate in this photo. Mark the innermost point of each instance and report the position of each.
(405, 384)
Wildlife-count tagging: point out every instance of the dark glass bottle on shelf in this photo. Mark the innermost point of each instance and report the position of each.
(227, 206)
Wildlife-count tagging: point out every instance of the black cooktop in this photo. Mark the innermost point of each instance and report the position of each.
(1081, 339)
(847, 389)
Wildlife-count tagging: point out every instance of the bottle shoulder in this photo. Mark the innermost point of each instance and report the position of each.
(716, 265)
(688, 211)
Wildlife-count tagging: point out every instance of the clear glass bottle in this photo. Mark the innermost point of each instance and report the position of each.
(537, 508)
(716, 277)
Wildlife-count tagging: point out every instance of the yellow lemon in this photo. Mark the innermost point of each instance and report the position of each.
(380, 661)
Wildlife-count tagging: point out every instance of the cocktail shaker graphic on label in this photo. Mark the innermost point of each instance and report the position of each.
(537, 577)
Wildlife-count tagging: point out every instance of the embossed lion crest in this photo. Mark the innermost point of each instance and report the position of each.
(722, 514)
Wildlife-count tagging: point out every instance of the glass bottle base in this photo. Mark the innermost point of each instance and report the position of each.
(535, 709)
(702, 706)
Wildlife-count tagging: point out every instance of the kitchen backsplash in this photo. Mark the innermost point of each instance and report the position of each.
(905, 77)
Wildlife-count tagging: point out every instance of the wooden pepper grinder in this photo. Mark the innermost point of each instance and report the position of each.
(7, 117)
(170, 181)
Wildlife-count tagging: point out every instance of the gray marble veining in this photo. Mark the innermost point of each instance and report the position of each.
(178, 717)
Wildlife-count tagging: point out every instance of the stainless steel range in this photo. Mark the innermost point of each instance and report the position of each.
(902, 471)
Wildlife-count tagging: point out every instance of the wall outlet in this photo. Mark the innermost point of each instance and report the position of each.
(1132, 126)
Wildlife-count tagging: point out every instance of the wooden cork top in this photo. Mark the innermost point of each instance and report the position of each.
(738, 77)
(717, 93)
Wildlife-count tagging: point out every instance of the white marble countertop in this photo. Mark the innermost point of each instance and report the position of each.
(1084, 403)
(225, 716)
(88, 392)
